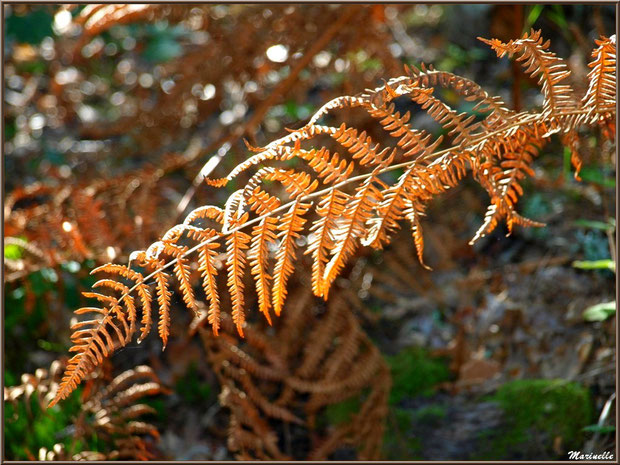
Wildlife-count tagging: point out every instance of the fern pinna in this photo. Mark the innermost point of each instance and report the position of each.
(332, 203)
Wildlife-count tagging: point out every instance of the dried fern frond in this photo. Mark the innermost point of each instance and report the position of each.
(66, 222)
(550, 69)
(109, 410)
(332, 204)
(316, 357)
(601, 93)
(243, 49)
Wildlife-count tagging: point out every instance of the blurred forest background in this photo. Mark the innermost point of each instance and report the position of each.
(505, 351)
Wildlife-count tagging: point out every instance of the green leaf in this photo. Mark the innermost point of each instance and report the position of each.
(606, 264)
(600, 312)
(371, 64)
(51, 346)
(600, 225)
(10, 129)
(12, 252)
(558, 16)
(566, 165)
(32, 67)
(596, 175)
(599, 429)
(533, 16)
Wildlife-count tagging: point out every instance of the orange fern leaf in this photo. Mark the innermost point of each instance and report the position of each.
(360, 145)
(459, 125)
(90, 345)
(290, 227)
(330, 209)
(126, 297)
(467, 88)
(601, 93)
(206, 261)
(409, 140)
(182, 271)
(295, 183)
(413, 214)
(517, 155)
(390, 210)
(237, 243)
(163, 299)
(538, 61)
(262, 202)
(352, 226)
(327, 166)
(262, 235)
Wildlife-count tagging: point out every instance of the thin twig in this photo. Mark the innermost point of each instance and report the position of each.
(285, 85)
(207, 169)
(589, 446)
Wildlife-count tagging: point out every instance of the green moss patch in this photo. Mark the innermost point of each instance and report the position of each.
(28, 427)
(537, 413)
(342, 411)
(192, 388)
(415, 372)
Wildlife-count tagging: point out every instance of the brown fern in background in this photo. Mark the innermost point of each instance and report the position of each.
(109, 411)
(246, 75)
(98, 220)
(277, 384)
